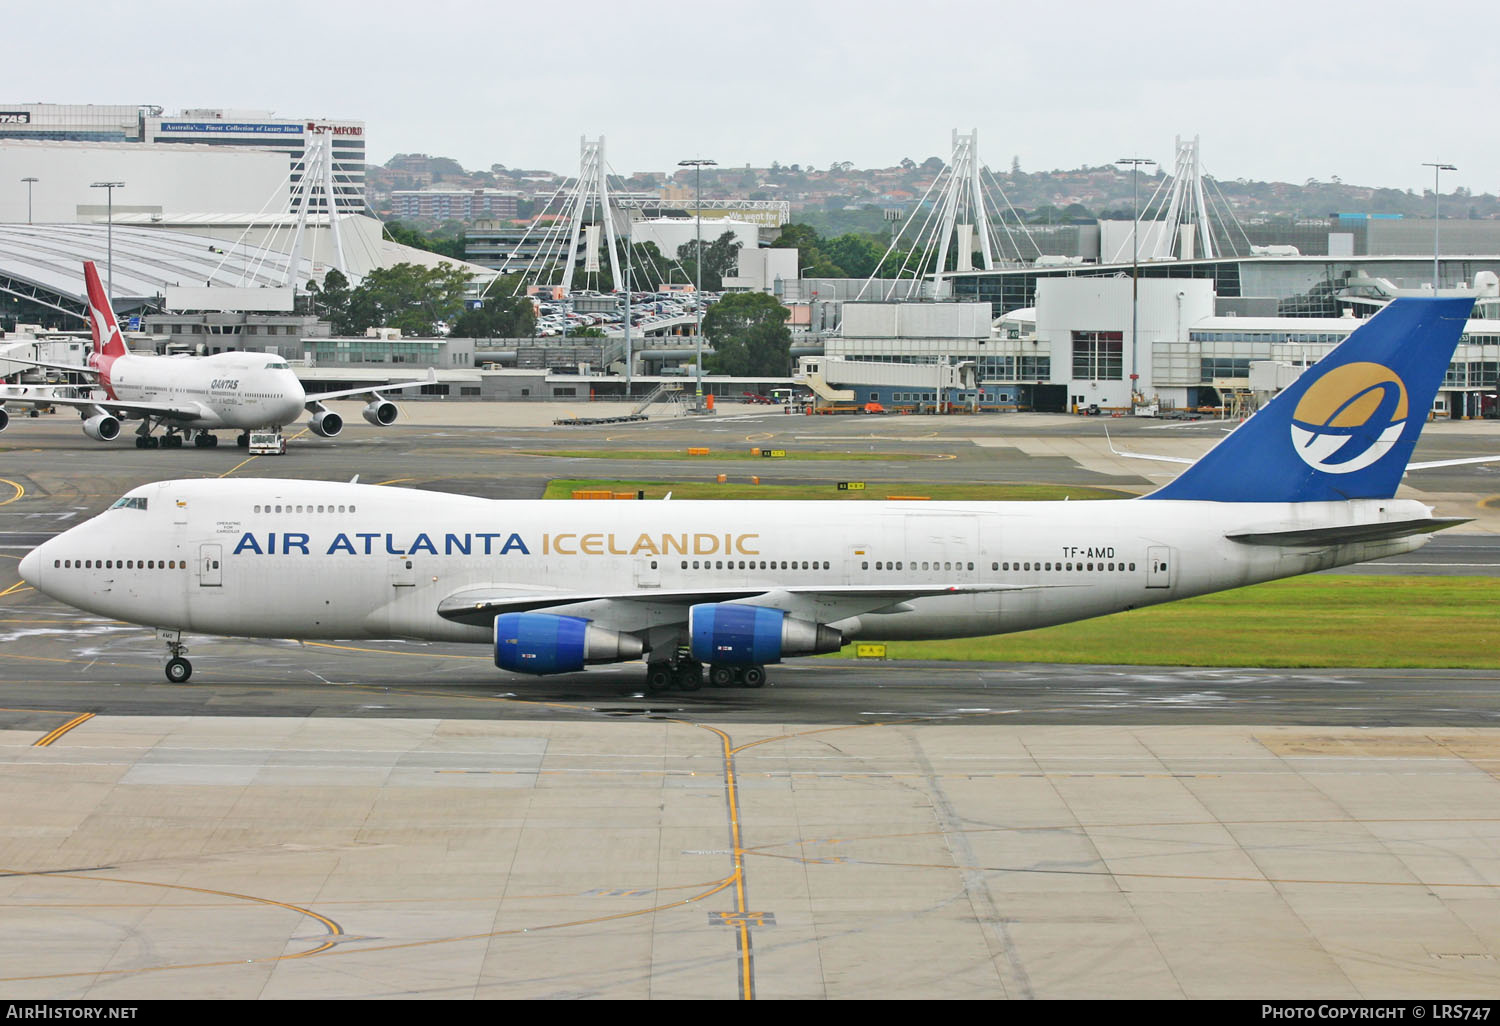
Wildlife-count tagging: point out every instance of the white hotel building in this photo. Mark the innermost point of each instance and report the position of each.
(209, 126)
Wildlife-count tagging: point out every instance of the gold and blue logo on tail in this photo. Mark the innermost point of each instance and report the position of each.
(1349, 418)
(1346, 428)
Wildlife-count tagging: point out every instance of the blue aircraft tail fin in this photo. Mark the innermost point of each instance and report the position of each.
(1346, 428)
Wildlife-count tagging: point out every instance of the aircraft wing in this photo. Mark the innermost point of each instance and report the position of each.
(114, 407)
(651, 607)
(1143, 455)
(74, 367)
(372, 392)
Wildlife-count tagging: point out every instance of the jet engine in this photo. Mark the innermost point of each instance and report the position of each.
(102, 428)
(381, 413)
(728, 633)
(326, 424)
(542, 643)
(4, 418)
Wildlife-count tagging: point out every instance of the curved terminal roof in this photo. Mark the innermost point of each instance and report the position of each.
(44, 263)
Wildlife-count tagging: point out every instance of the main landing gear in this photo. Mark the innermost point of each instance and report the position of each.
(684, 674)
(687, 675)
(173, 437)
(752, 676)
(178, 669)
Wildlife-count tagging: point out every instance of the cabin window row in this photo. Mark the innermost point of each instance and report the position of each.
(752, 564)
(900, 564)
(1044, 566)
(302, 508)
(119, 564)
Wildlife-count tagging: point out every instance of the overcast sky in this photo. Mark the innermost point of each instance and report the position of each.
(1275, 90)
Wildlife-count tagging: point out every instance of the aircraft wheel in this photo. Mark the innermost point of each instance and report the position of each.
(243, 441)
(152, 442)
(690, 676)
(721, 676)
(658, 677)
(179, 670)
(140, 441)
(755, 676)
(213, 440)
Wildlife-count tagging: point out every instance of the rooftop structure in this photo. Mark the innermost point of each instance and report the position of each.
(212, 126)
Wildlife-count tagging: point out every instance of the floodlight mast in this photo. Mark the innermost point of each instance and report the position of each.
(1437, 168)
(698, 165)
(110, 188)
(1135, 265)
(30, 181)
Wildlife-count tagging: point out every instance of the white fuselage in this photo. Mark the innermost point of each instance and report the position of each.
(230, 390)
(280, 558)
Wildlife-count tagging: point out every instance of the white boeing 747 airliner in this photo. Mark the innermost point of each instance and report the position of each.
(192, 396)
(1306, 484)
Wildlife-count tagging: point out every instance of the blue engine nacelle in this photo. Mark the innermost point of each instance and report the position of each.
(727, 633)
(542, 643)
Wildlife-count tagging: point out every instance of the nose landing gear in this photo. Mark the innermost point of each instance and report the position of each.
(178, 669)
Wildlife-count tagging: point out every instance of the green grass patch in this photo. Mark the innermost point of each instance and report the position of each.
(730, 455)
(739, 490)
(1320, 621)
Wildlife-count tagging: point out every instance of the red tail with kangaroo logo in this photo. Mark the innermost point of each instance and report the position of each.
(109, 344)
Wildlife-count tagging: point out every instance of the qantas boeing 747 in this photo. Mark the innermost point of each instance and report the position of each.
(1306, 484)
(192, 396)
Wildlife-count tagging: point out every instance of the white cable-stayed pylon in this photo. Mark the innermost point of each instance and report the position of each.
(592, 194)
(570, 225)
(959, 218)
(1189, 203)
(964, 212)
(1177, 221)
(317, 173)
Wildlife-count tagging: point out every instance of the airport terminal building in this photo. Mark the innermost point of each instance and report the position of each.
(1085, 336)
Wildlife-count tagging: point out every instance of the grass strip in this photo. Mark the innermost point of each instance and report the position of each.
(1317, 621)
(731, 455)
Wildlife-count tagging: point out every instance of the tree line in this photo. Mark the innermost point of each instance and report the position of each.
(420, 301)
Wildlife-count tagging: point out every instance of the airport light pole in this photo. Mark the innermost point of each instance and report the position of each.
(110, 233)
(629, 224)
(1437, 169)
(698, 166)
(1135, 264)
(30, 181)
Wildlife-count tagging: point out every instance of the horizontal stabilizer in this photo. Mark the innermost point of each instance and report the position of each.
(1349, 533)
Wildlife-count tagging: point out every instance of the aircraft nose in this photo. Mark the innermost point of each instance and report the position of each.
(31, 567)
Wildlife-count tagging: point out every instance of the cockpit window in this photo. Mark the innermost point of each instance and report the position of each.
(277, 365)
(130, 502)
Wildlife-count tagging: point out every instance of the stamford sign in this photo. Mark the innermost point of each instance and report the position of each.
(314, 127)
